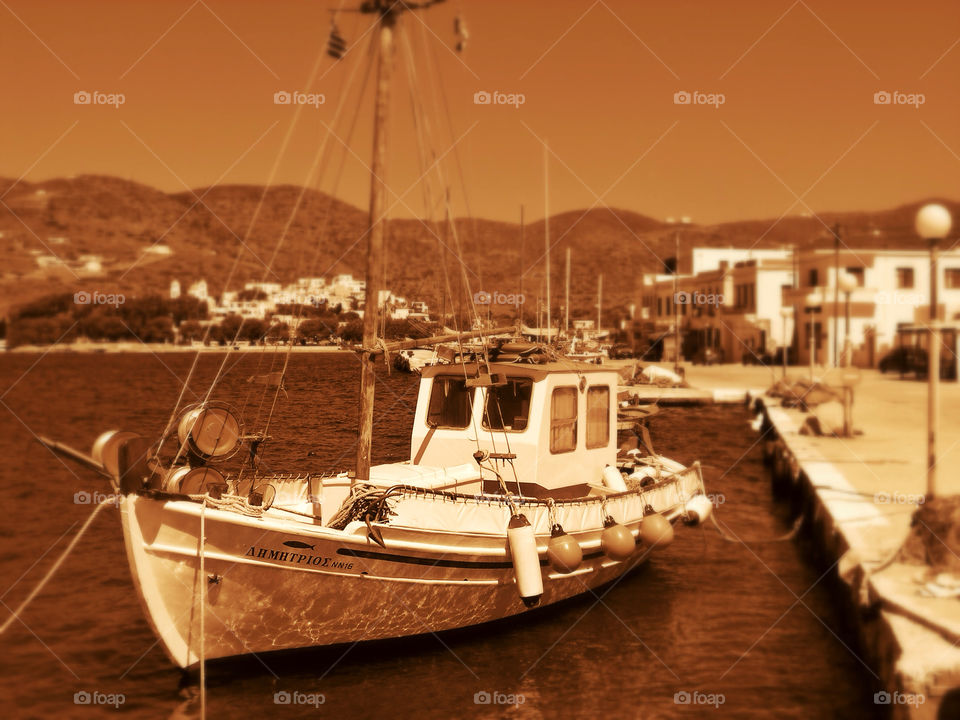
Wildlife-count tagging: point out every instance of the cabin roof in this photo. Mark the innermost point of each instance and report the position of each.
(536, 371)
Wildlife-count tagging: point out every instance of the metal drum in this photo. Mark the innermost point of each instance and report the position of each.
(210, 432)
(195, 481)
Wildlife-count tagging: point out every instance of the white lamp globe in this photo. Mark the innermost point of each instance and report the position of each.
(847, 282)
(933, 222)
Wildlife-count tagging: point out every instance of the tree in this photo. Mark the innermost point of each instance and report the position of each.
(187, 307)
(352, 331)
(278, 332)
(158, 329)
(313, 329)
(254, 329)
(230, 329)
(191, 330)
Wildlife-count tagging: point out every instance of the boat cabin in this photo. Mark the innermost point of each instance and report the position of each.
(549, 427)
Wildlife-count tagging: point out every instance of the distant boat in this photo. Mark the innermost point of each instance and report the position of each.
(516, 494)
(414, 360)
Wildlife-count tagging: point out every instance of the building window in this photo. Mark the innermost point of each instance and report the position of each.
(449, 404)
(598, 417)
(904, 278)
(857, 272)
(659, 307)
(508, 406)
(951, 278)
(563, 420)
(814, 278)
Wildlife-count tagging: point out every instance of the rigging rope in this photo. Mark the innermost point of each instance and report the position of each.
(56, 565)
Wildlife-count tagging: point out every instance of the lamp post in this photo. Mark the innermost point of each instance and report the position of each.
(785, 313)
(811, 309)
(933, 224)
(836, 289)
(847, 283)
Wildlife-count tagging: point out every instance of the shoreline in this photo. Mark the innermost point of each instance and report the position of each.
(156, 348)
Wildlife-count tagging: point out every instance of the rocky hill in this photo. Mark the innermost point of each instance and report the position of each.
(113, 235)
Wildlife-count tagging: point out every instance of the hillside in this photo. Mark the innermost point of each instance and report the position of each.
(119, 221)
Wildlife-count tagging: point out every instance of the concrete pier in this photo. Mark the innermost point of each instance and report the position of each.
(859, 496)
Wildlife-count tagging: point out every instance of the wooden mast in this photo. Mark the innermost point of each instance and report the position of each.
(386, 22)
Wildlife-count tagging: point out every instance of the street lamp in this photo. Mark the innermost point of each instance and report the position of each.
(933, 224)
(847, 283)
(811, 308)
(785, 313)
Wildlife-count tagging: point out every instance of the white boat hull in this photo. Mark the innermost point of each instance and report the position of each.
(325, 586)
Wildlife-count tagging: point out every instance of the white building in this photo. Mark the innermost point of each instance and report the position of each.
(733, 310)
(893, 291)
(710, 258)
(199, 290)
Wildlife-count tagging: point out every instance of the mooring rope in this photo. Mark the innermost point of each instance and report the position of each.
(56, 566)
(792, 533)
(203, 612)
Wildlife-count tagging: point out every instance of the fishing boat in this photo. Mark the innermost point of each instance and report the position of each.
(516, 494)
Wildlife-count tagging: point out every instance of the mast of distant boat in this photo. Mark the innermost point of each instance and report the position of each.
(546, 225)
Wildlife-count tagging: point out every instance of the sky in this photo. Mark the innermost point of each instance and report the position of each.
(787, 108)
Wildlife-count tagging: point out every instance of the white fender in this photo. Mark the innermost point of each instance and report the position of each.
(613, 479)
(699, 508)
(526, 561)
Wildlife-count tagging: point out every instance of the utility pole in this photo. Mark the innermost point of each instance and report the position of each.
(676, 308)
(566, 301)
(599, 302)
(836, 290)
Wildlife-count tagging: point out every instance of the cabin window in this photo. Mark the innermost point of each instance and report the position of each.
(598, 417)
(563, 420)
(508, 406)
(449, 403)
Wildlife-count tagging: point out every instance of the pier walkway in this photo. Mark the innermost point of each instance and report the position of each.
(861, 493)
